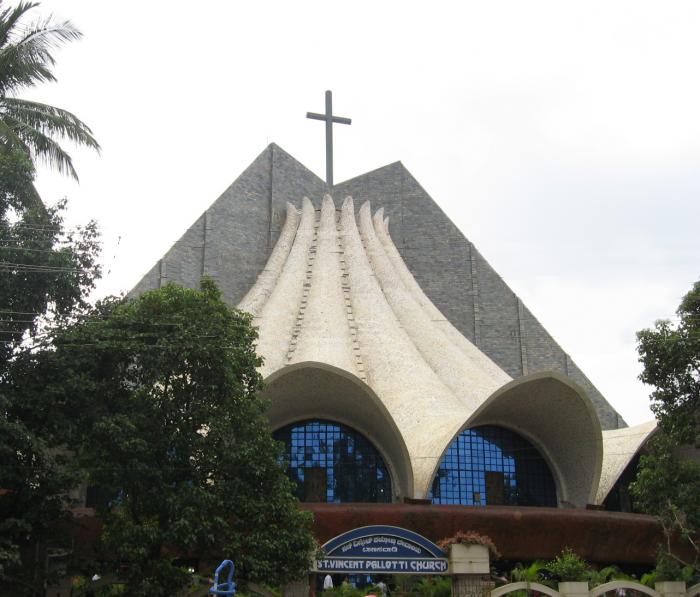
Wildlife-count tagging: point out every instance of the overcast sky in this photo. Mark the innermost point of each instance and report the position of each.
(562, 138)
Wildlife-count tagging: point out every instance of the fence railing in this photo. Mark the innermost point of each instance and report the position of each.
(581, 589)
(524, 586)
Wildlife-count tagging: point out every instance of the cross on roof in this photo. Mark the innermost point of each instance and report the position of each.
(329, 119)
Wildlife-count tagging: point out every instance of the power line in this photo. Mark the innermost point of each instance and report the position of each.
(47, 227)
(55, 251)
(10, 266)
(17, 320)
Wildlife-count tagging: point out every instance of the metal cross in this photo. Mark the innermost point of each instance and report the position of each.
(330, 119)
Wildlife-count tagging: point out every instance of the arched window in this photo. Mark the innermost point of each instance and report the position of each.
(330, 462)
(493, 466)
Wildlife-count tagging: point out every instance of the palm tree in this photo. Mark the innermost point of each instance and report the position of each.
(26, 60)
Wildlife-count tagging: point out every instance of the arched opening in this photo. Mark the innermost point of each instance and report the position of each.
(316, 391)
(619, 498)
(331, 462)
(622, 449)
(554, 415)
(492, 465)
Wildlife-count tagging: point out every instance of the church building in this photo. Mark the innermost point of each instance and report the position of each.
(409, 384)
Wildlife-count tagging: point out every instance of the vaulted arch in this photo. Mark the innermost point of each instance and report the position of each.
(556, 417)
(312, 390)
(620, 449)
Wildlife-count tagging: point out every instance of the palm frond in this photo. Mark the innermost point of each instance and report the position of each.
(17, 71)
(25, 60)
(25, 57)
(48, 120)
(10, 17)
(40, 146)
(50, 35)
(10, 139)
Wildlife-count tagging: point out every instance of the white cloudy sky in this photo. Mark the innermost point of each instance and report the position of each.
(563, 138)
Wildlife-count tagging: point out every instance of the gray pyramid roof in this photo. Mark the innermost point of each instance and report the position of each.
(233, 238)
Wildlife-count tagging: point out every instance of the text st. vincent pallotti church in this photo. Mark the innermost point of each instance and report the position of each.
(411, 387)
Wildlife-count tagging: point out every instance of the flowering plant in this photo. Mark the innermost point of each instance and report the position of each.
(470, 538)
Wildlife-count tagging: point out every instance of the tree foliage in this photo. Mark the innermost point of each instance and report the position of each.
(159, 402)
(670, 355)
(45, 268)
(668, 486)
(26, 60)
(46, 274)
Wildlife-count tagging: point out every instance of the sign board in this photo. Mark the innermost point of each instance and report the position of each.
(382, 550)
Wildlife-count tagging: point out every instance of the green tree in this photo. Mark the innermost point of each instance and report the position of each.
(668, 486)
(670, 355)
(160, 402)
(46, 273)
(42, 266)
(45, 269)
(26, 60)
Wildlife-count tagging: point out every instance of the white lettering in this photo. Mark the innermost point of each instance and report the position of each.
(413, 548)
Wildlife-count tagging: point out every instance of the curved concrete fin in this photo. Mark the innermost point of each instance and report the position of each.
(471, 352)
(463, 376)
(556, 416)
(324, 333)
(257, 296)
(620, 446)
(277, 318)
(412, 392)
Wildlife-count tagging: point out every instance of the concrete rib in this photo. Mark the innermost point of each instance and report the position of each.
(277, 318)
(620, 446)
(471, 352)
(325, 336)
(258, 295)
(468, 382)
(424, 409)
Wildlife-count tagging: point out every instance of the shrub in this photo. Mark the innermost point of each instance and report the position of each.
(569, 567)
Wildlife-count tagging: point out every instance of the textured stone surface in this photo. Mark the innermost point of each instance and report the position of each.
(461, 283)
(552, 413)
(277, 321)
(300, 392)
(232, 240)
(324, 332)
(340, 309)
(620, 447)
(470, 384)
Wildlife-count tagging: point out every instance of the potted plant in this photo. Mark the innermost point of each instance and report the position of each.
(469, 552)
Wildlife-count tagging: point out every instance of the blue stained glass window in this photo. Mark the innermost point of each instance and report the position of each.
(345, 466)
(493, 465)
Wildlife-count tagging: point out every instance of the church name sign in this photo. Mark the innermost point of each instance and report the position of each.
(382, 549)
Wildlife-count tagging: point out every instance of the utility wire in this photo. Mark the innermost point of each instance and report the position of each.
(56, 251)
